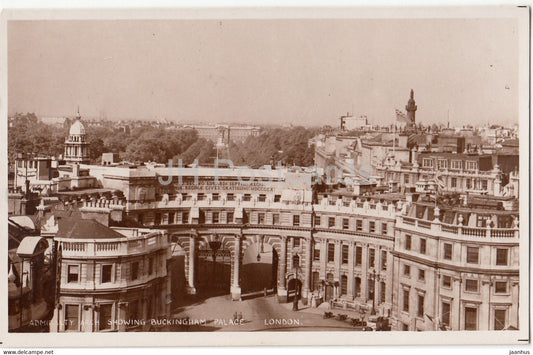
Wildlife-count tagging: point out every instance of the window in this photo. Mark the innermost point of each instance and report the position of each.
(443, 164)
(471, 285)
(453, 182)
(316, 281)
(331, 222)
(261, 218)
(316, 254)
(359, 225)
(406, 300)
(229, 217)
(406, 179)
(371, 257)
(133, 310)
(357, 287)
(472, 255)
(345, 223)
(471, 165)
(106, 273)
(384, 228)
(420, 308)
(427, 163)
(296, 242)
(295, 261)
(296, 220)
(499, 319)
(230, 197)
(344, 285)
(446, 281)
(407, 270)
(470, 318)
(501, 256)
(275, 218)
(422, 246)
(73, 273)
(484, 185)
(170, 218)
(135, 270)
(72, 312)
(383, 260)
(317, 220)
(383, 293)
(407, 242)
(445, 313)
(447, 251)
(247, 197)
(358, 255)
(105, 316)
(150, 265)
(331, 252)
(261, 198)
(421, 275)
(345, 254)
(216, 197)
(201, 196)
(185, 217)
(457, 164)
(216, 217)
(277, 198)
(372, 226)
(500, 287)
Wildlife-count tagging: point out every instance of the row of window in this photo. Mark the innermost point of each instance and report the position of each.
(345, 224)
(471, 317)
(472, 253)
(454, 164)
(316, 285)
(358, 261)
(107, 271)
(104, 318)
(471, 285)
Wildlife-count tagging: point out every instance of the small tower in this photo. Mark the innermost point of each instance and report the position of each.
(76, 145)
(411, 109)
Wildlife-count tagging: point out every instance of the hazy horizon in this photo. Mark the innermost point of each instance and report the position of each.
(260, 72)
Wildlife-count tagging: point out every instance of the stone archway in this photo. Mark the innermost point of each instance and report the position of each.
(259, 268)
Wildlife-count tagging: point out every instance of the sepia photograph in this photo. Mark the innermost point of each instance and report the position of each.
(342, 177)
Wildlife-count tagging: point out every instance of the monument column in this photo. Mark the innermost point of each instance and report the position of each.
(282, 289)
(235, 286)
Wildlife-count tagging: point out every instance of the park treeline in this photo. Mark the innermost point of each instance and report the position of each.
(144, 143)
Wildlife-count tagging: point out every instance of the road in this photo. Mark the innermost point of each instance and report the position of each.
(258, 314)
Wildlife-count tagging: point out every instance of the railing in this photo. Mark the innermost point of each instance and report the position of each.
(73, 246)
(107, 246)
(482, 232)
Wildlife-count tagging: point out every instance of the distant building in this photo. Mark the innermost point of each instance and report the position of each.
(225, 133)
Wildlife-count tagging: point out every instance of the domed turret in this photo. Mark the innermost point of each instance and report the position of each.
(77, 128)
(76, 146)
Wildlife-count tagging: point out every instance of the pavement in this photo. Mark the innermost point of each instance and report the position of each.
(220, 313)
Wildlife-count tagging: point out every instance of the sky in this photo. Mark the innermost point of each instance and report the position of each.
(270, 71)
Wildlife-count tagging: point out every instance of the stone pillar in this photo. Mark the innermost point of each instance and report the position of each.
(235, 287)
(364, 277)
(308, 268)
(351, 252)
(282, 289)
(191, 288)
